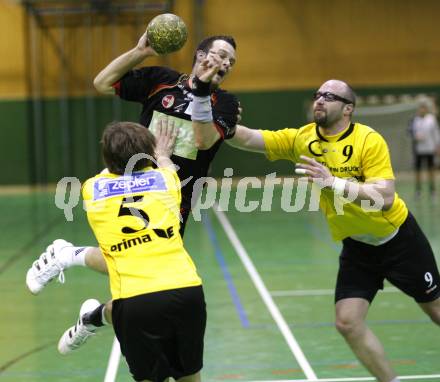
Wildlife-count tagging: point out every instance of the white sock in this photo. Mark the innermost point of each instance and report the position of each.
(395, 380)
(73, 256)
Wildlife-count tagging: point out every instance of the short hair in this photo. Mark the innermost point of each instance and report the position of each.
(206, 44)
(121, 140)
(351, 95)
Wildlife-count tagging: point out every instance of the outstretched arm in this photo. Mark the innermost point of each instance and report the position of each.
(247, 139)
(114, 71)
(378, 192)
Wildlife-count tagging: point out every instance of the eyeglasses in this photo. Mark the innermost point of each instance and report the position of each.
(331, 97)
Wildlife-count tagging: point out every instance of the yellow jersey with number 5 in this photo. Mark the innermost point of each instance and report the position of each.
(356, 153)
(135, 219)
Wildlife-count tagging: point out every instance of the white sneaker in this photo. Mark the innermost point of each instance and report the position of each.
(47, 267)
(77, 335)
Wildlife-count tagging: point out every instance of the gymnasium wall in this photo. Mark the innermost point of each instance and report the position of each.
(286, 48)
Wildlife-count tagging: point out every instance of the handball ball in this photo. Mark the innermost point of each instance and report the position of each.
(166, 33)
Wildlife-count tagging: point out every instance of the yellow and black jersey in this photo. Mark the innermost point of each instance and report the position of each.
(356, 153)
(135, 219)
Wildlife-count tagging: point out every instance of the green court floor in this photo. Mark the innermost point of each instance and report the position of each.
(294, 257)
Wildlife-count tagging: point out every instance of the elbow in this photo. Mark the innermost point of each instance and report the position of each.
(97, 83)
(101, 86)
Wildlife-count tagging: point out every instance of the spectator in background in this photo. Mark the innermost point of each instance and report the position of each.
(425, 133)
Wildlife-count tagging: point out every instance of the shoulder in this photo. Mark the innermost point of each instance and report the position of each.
(364, 131)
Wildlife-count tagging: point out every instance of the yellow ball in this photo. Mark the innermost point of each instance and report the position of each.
(166, 33)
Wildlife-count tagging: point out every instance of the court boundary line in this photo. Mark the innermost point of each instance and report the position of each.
(206, 221)
(113, 362)
(318, 292)
(265, 295)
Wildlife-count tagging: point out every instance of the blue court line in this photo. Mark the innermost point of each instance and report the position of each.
(224, 267)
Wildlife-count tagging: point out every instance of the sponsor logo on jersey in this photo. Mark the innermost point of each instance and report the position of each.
(168, 101)
(136, 183)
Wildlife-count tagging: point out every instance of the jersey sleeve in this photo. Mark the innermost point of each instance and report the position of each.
(137, 84)
(87, 189)
(280, 144)
(376, 161)
(225, 112)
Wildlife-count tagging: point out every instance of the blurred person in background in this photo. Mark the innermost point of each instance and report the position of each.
(425, 133)
(190, 101)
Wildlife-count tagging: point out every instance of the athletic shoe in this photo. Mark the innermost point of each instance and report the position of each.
(77, 335)
(47, 267)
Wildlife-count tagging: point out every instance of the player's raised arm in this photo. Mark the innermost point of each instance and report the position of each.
(165, 141)
(205, 133)
(214, 111)
(114, 71)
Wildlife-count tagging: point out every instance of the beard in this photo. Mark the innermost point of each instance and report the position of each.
(320, 118)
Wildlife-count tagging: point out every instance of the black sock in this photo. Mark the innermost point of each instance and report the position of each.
(94, 317)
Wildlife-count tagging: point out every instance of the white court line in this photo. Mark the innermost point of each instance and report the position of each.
(113, 362)
(317, 292)
(404, 377)
(265, 295)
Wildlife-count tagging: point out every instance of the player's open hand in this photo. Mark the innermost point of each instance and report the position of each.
(314, 170)
(166, 134)
(208, 68)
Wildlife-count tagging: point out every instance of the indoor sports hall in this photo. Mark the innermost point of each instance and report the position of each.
(259, 241)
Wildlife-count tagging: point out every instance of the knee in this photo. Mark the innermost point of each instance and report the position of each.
(435, 317)
(347, 326)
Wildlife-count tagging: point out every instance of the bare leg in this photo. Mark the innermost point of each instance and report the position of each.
(350, 322)
(108, 312)
(432, 309)
(95, 260)
(431, 175)
(418, 182)
(191, 378)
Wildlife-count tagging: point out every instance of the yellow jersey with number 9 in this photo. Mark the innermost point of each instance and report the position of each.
(135, 219)
(356, 153)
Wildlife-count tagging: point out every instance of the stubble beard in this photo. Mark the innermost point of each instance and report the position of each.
(321, 120)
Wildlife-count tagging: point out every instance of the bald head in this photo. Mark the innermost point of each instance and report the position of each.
(340, 88)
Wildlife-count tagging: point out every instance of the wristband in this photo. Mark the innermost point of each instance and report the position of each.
(200, 88)
(338, 186)
(201, 109)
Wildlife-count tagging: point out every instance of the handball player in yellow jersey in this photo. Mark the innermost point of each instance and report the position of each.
(350, 163)
(189, 100)
(159, 313)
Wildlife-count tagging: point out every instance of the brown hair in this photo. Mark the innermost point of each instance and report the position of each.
(206, 44)
(121, 140)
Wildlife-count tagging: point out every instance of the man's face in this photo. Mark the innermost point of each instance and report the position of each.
(328, 109)
(223, 53)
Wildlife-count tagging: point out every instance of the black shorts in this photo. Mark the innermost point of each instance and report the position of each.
(428, 159)
(161, 333)
(406, 261)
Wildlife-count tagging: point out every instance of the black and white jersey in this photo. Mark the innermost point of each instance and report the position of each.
(161, 91)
